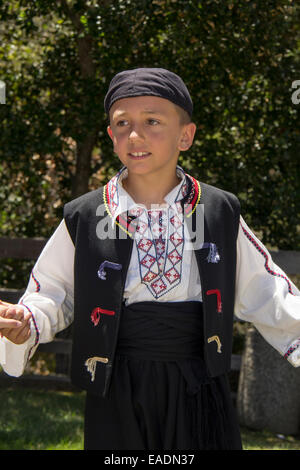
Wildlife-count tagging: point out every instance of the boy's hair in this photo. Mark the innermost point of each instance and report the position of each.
(150, 82)
(184, 117)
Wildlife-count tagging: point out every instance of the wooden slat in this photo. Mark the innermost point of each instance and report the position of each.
(288, 261)
(57, 346)
(48, 382)
(11, 295)
(21, 248)
(30, 248)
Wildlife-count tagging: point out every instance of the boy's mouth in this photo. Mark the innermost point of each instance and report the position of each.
(139, 155)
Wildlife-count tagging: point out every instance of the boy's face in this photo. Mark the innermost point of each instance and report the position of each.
(148, 135)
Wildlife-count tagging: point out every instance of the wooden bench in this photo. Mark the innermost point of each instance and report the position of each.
(30, 248)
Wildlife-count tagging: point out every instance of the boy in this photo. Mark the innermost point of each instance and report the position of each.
(153, 306)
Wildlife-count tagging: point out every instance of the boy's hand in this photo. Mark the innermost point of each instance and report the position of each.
(14, 323)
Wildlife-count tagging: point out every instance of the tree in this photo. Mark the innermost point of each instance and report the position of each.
(238, 59)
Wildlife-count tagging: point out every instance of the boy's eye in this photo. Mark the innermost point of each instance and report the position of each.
(122, 123)
(153, 122)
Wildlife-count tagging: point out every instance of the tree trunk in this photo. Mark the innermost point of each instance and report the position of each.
(80, 183)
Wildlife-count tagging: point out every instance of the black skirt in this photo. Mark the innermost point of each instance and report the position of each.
(161, 397)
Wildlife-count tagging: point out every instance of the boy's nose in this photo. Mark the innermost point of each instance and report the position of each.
(135, 134)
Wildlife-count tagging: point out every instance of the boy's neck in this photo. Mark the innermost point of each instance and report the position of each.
(149, 190)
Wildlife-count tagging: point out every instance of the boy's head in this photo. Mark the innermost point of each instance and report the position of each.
(150, 119)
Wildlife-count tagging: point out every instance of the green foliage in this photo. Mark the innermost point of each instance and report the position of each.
(238, 58)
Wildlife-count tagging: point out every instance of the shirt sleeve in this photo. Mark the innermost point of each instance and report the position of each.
(266, 297)
(49, 297)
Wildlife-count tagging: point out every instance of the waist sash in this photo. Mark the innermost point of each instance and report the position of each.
(163, 331)
(173, 331)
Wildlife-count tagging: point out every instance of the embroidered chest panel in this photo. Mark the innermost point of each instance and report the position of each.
(158, 234)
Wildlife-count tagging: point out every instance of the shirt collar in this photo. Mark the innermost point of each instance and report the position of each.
(123, 202)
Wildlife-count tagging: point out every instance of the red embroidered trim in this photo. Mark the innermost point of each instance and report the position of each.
(194, 196)
(37, 333)
(218, 294)
(264, 254)
(292, 348)
(37, 284)
(190, 204)
(96, 314)
(126, 223)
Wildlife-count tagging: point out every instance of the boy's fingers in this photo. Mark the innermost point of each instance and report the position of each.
(15, 312)
(21, 335)
(9, 323)
(6, 304)
(27, 316)
(15, 323)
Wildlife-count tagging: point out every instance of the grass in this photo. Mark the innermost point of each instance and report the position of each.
(53, 420)
(265, 440)
(40, 420)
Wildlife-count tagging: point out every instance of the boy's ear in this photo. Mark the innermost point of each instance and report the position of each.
(187, 136)
(110, 132)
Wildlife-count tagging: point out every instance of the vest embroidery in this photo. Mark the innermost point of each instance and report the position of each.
(218, 294)
(213, 255)
(217, 340)
(107, 264)
(97, 312)
(91, 364)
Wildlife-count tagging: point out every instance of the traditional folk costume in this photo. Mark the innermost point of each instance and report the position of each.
(153, 320)
(153, 311)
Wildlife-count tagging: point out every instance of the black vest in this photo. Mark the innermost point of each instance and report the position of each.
(98, 295)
